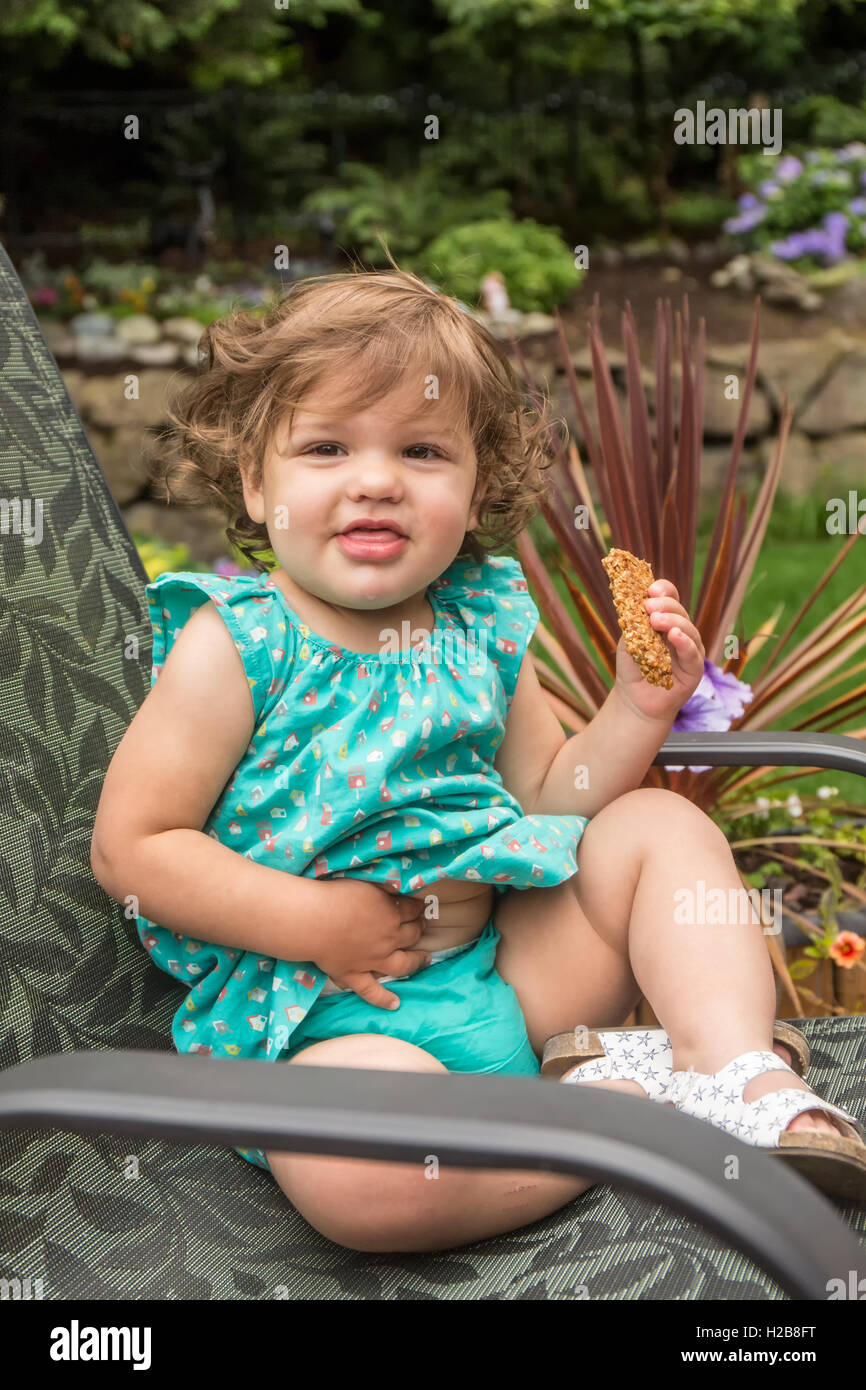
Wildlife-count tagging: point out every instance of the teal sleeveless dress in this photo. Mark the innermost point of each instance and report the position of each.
(371, 765)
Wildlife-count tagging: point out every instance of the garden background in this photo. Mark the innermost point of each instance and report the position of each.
(162, 163)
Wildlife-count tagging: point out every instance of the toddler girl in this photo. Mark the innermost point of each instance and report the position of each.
(346, 809)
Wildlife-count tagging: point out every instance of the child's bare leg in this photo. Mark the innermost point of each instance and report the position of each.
(614, 932)
(367, 1204)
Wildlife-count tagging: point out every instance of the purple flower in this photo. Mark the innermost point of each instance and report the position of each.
(746, 201)
(768, 188)
(788, 168)
(812, 242)
(857, 206)
(746, 220)
(836, 227)
(827, 241)
(719, 699)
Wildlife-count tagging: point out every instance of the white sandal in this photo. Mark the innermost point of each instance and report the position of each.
(630, 1054)
(836, 1163)
(563, 1051)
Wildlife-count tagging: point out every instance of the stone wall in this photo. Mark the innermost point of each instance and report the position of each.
(824, 379)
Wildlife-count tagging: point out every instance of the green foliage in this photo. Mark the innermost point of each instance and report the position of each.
(831, 121)
(699, 210)
(230, 40)
(538, 267)
(157, 555)
(406, 211)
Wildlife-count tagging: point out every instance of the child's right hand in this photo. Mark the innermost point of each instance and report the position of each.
(371, 931)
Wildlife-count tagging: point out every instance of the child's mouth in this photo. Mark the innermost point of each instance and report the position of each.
(363, 543)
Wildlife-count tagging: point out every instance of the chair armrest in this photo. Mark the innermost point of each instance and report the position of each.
(470, 1121)
(749, 748)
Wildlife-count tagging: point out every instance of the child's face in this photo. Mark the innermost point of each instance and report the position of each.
(401, 460)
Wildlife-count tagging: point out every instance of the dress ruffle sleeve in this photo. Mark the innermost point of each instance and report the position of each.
(257, 627)
(493, 600)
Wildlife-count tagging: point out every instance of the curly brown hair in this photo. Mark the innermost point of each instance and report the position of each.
(370, 328)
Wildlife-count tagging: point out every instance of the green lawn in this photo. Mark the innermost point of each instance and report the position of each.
(795, 555)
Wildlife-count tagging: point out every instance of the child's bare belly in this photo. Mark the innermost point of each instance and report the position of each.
(458, 911)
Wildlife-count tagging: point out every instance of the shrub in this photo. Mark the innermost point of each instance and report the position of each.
(537, 265)
(810, 211)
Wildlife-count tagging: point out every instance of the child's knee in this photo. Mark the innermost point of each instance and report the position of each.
(363, 1204)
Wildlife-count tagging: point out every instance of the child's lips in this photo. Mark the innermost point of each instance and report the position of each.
(384, 533)
(367, 544)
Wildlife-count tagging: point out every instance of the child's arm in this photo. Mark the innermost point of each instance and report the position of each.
(539, 764)
(164, 779)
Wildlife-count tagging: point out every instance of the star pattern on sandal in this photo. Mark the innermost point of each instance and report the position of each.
(719, 1099)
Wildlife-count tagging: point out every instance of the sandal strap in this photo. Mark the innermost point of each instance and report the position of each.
(643, 1055)
(730, 1081)
(718, 1098)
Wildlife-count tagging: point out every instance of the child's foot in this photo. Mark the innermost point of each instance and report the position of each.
(759, 1086)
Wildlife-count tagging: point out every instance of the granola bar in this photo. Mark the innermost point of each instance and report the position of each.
(629, 579)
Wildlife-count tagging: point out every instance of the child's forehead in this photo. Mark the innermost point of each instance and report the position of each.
(321, 409)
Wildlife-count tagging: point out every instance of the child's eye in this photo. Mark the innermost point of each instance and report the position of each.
(430, 448)
(312, 448)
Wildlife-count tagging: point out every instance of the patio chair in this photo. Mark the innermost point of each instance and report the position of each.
(117, 1176)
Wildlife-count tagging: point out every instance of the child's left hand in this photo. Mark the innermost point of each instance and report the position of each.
(667, 616)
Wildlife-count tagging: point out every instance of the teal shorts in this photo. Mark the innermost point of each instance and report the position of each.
(458, 1009)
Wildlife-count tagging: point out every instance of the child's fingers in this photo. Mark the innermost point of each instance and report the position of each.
(367, 987)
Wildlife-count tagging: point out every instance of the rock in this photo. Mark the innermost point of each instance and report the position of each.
(155, 354)
(120, 454)
(582, 360)
(840, 404)
(676, 250)
(99, 349)
(794, 367)
(92, 325)
(773, 279)
(715, 462)
(610, 257)
(103, 401)
(535, 322)
(60, 342)
(720, 413)
(737, 273)
(660, 248)
(848, 303)
(182, 330)
(841, 460)
(799, 464)
(792, 292)
(671, 273)
(138, 328)
(562, 404)
(74, 380)
(704, 251)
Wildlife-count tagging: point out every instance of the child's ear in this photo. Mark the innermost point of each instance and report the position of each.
(254, 499)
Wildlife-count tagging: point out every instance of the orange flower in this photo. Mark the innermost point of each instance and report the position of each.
(847, 949)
